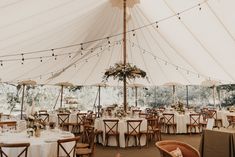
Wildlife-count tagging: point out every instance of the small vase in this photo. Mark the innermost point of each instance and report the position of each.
(37, 132)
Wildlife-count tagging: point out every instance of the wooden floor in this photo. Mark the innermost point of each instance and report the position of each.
(151, 151)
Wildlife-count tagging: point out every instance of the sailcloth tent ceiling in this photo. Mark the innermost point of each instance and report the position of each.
(185, 41)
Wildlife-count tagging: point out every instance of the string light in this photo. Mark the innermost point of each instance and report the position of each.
(157, 24)
(69, 55)
(52, 52)
(115, 35)
(178, 14)
(1, 63)
(40, 59)
(22, 59)
(133, 32)
(199, 5)
(108, 40)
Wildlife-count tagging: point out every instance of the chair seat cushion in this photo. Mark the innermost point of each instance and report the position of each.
(82, 145)
(83, 151)
(176, 153)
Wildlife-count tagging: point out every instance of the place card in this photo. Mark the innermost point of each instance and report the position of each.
(210, 123)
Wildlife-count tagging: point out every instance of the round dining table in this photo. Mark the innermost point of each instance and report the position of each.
(43, 146)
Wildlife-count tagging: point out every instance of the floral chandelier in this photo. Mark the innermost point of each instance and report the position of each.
(119, 70)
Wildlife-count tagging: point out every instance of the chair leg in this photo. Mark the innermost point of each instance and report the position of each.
(117, 140)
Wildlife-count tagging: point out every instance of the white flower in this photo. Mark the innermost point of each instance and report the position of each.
(31, 117)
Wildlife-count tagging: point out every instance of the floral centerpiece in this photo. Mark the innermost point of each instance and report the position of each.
(35, 124)
(120, 113)
(119, 70)
(180, 107)
(231, 109)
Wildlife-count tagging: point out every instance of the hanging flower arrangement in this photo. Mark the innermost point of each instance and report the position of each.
(118, 71)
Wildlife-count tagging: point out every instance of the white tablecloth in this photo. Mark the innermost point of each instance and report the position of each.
(43, 146)
(222, 114)
(122, 128)
(181, 121)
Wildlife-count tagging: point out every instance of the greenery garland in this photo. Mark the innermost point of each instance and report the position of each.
(119, 70)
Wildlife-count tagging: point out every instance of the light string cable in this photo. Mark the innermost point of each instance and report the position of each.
(103, 38)
(84, 57)
(177, 67)
(196, 38)
(169, 43)
(141, 14)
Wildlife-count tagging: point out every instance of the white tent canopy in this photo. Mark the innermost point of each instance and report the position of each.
(75, 41)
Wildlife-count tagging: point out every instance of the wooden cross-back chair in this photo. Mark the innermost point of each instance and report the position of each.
(22, 153)
(154, 127)
(213, 114)
(194, 122)
(133, 130)
(80, 121)
(81, 117)
(169, 121)
(153, 130)
(44, 117)
(111, 129)
(231, 121)
(61, 146)
(63, 120)
(89, 138)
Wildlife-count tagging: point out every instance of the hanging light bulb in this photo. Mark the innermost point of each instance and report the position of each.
(52, 52)
(81, 46)
(157, 24)
(178, 14)
(133, 32)
(69, 55)
(40, 59)
(199, 5)
(22, 57)
(1, 63)
(108, 40)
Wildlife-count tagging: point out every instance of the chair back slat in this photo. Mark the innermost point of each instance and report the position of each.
(195, 118)
(44, 117)
(63, 118)
(169, 118)
(111, 126)
(133, 126)
(24, 146)
(69, 153)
